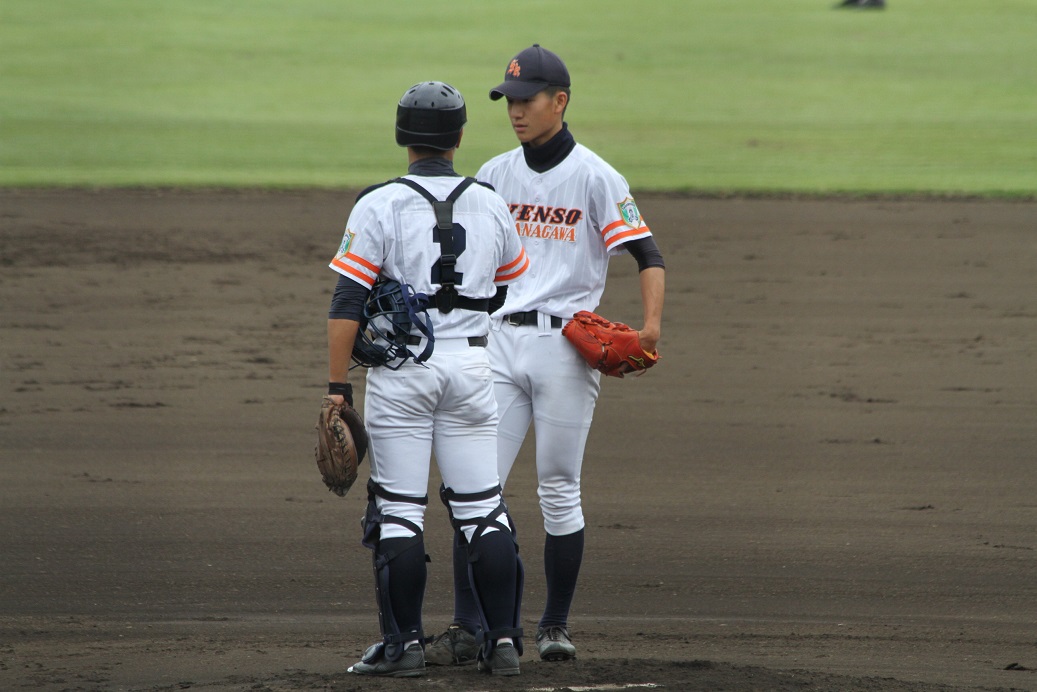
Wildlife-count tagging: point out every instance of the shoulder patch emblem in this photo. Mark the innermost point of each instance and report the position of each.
(628, 210)
(347, 240)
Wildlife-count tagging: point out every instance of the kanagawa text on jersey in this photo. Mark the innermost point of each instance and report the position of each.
(553, 223)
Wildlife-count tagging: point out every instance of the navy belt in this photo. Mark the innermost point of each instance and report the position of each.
(520, 319)
(472, 341)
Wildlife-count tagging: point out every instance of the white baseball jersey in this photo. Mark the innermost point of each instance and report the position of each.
(390, 232)
(444, 406)
(571, 218)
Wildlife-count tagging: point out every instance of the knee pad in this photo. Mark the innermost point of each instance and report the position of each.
(393, 639)
(487, 637)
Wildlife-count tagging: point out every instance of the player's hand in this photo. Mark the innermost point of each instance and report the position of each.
(648, 343)
(649, 340)
(337, 399)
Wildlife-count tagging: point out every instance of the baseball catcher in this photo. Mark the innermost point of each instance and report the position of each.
(611, 347)
(429, 239)
(341, 445)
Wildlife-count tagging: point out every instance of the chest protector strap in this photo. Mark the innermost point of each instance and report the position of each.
(447, 298)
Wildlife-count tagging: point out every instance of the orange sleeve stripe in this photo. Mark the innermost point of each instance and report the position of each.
(620, 237)
(614, 224)
(515, 274)
(362, 262)
(349, 269)
(368, 281)
(509, 265)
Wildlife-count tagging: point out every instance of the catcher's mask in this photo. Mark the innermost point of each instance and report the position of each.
(430, 114)
(391, 311)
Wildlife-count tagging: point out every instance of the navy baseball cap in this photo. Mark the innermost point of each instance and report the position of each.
(530, 72)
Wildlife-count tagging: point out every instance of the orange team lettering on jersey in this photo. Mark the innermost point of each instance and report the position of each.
(571, 219)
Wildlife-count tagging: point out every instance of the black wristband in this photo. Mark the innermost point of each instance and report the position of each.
(343, 389)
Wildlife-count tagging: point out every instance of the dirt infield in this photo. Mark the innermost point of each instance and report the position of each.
(827, 483)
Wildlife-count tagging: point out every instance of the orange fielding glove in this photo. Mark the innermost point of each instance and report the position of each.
(611, 347)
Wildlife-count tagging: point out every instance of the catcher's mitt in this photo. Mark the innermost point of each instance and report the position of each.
(611, 347)
(341, 445)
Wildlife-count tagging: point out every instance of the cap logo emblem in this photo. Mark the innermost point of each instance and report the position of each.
(514, 69)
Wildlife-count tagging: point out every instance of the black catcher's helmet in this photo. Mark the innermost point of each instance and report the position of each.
(389, 313)
(430, 114)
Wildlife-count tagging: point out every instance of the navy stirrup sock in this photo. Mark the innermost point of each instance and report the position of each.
(563, 556)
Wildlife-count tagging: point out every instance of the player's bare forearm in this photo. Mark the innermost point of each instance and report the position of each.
(653, 288)
(341, 336)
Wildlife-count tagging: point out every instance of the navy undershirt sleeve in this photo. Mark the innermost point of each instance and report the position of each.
(646, 252)
(497, 301)
(347, 303)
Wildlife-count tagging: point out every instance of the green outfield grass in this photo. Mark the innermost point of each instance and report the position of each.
(927, 96)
